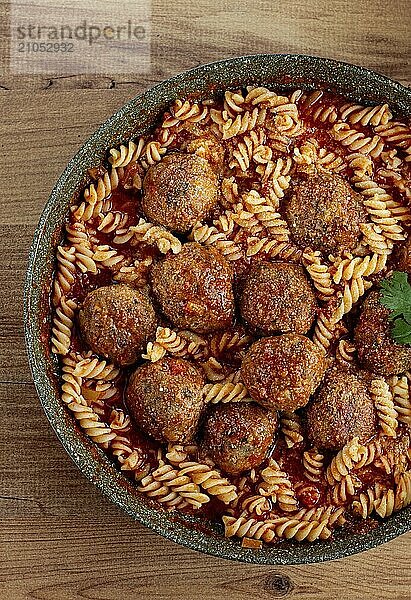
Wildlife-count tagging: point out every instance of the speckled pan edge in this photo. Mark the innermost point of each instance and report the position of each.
(281, 71)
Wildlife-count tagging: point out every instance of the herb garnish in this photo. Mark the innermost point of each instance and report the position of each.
(396, 296)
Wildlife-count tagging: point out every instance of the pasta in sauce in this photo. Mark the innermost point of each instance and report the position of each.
(260, 144)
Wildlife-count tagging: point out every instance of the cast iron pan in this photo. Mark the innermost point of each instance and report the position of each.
(282, 72)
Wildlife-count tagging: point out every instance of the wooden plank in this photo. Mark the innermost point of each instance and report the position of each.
(372, 33)
(48, 128)
(60, 539)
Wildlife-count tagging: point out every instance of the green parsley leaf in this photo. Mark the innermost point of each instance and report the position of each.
(401, 331)
(396, 296)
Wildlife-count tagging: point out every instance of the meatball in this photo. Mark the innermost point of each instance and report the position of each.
(402, 255)
(237, 436)
(377, 351)
(282, 372)
(195, 288)
(179, 190)
(209, 147)
(165, 399)
(117, 321)
(342, 409)
(325, 213)
(277, 297)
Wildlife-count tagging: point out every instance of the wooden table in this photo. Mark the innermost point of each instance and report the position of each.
(59, 538)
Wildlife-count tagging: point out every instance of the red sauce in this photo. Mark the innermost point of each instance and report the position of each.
(126, 202)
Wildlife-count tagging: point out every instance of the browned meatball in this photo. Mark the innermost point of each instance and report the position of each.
(209, 147)
(194, 288)
(377, 351)
(165, 399)
(237, 436)
(402, 256)
(179, 190)
(325, 213)
(277, 297)
(342, 409)
(117, 321)
(282, 372)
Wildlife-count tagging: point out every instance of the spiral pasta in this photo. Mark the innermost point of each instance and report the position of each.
(87, 419)
(319, 111)
(210, 480)
(344, 461)
(319, 273)
(381, 208)
(375, 239)
(330, 514)
(266, 215)
(180, 483)
(403, 491)
(356, 141)
(95, 194)
(161, 492)
(179, 344)
(94, 368)
(365, 115)
(256, 504)
(364, 504)
(65, 272)
(395, 132)
(279, 487)
(281, 527)
(226, 392)
(185, 111)
(180, 453)
(112, 221)
(351, 294)
(249, 149)
(291, 428)
(230, 127)
(131, 459)
(383, 401)
(343, 490)
(313, 462)
(259, 142)
(151, 234)
(352, 267)
(119, 421)
(328, 328)
(134, 274)
(399, 387)
(384, 505)
(273, 249)
(107, 257)
(210, 236)
(63, 323)
(233, 341)
(277, 174)
(126, 154)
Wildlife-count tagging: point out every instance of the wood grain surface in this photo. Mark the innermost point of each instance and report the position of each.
(59, 538)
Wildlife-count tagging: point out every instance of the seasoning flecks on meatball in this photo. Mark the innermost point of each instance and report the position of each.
(376, 349)
(117, 321)
(209, 147)
(324, 213)
(282, 372)
(195, 288)
(237, 436)
(165, 399)
(341, 410)
(179, 190)
(277, 297)
(402, 256)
